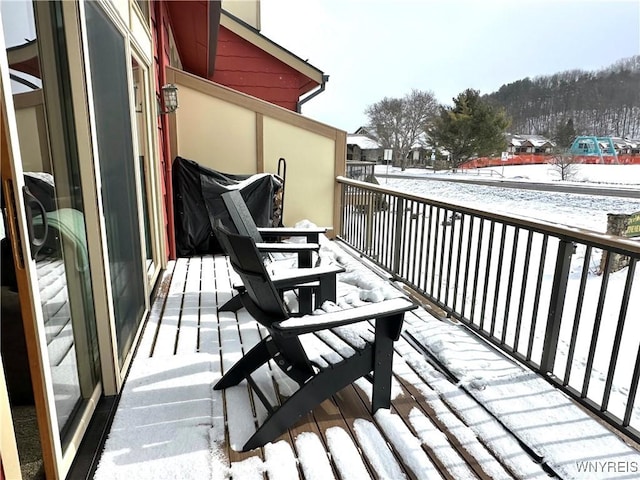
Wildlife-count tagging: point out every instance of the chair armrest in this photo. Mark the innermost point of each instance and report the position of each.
(296, 276)
(312, 234)
(314, 323)
(288, 247)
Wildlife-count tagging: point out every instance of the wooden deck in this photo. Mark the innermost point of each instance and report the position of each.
(184, 321)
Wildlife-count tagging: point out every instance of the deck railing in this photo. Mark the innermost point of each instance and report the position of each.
(558, 299)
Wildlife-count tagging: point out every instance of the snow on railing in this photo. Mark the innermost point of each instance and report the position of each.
(536, 290)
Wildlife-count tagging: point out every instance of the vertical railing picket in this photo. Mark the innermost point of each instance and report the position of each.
(496, 293)
(397, 240)
(512, 268)
(487, 275)
(577, 315)
(428, 250)
(434, 259)
(618, 335)
(536, 301)
(523, 290)
(472, 222)
(596, 326)
(443, 241)
(452, 231)
(558, 293)
(633, 391)
(369, 206)
(458, 261)
(421, 229)
(474, 292)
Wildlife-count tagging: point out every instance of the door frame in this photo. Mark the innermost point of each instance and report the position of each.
(9, 460)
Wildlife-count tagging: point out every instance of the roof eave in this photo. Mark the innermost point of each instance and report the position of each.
(253, 36)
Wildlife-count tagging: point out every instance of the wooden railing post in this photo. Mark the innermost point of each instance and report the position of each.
(556, 305)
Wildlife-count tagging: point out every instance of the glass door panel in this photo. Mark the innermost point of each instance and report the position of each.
(108, 63)
(58, 256)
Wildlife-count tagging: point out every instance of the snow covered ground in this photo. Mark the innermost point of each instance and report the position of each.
(622, 175)
(574, 210)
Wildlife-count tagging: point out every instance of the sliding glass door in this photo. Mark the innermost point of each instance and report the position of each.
(80, 225)
(43, 199)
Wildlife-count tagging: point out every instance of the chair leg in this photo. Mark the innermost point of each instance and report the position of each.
(305, 300)
(311, 394)
(383, 361)
(305, 259)
(232, 305)
(327, 290)
(250, 362)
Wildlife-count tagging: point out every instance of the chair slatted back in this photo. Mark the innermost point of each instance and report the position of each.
(264, 302)
(240, 215)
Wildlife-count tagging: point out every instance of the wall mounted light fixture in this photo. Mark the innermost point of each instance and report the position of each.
(169, 98)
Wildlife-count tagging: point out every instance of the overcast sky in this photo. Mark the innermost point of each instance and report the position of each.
(377, 48)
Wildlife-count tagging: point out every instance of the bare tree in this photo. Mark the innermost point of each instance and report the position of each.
(565, 164)
(398, 123)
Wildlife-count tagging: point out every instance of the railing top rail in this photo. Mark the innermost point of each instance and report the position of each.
(571, 233)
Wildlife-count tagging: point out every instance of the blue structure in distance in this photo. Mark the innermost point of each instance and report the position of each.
(600, 146)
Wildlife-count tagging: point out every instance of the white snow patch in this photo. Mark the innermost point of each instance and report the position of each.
(345, 455)
(313, 457)
(406, 444)
(377, 450)
(251, 468)
(280, 461)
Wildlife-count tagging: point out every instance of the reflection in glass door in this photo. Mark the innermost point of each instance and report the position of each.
(34, 37)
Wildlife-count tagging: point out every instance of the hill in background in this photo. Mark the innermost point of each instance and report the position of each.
(602, 103)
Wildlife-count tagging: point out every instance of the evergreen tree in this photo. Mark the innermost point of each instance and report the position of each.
(472, 127)
(565, 134)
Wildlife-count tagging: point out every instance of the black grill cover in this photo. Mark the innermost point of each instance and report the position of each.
(197, 203)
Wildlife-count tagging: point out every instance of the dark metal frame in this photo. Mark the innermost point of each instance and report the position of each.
(491, 271)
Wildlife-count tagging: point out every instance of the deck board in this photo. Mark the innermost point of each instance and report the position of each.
(184, 320)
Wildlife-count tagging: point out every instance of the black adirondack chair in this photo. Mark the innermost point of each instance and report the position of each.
(244, 224)
(372, 348)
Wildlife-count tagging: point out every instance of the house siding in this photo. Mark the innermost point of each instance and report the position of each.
(242, 66)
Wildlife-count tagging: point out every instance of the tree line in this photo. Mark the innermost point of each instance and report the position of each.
(560, 106)
(471, 127)
(603, 103)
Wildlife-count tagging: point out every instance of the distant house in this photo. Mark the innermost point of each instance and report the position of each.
(422, 153)
(362, 148)
(626, 146)
(529, 144)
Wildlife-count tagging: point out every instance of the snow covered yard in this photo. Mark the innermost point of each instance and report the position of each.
(170, 422)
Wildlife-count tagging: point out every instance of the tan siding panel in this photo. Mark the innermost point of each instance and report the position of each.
(215, 133)
(310, 171)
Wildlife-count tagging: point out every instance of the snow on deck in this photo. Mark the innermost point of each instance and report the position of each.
(171, 424)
